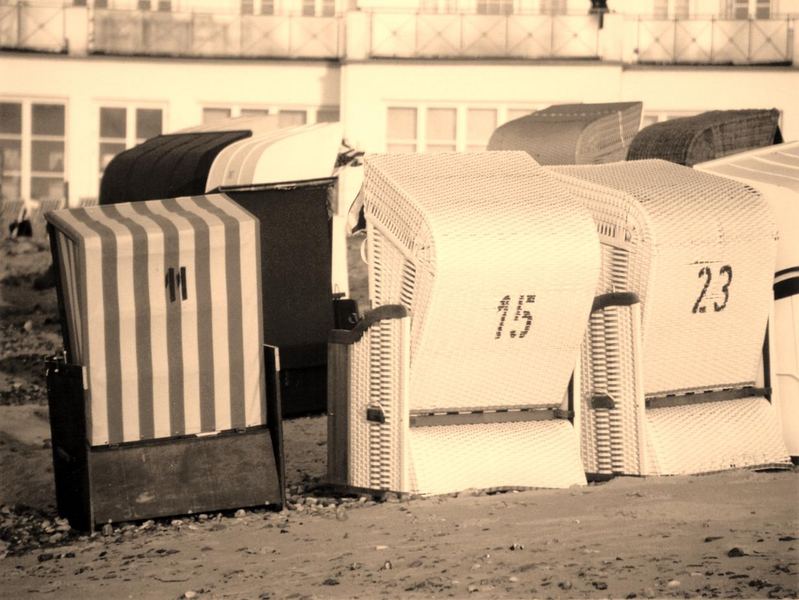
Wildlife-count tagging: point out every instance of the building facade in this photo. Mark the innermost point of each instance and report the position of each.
(80, 82)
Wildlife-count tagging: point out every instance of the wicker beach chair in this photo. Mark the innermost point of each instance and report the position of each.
(569, 134)
(669, 384)
(774, 172)
(483, 272)
(707, 136)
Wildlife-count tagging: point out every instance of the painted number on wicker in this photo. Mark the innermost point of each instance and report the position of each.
(706, 274)
(520, 315)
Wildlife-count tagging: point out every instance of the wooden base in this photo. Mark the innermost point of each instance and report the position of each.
(158, 478)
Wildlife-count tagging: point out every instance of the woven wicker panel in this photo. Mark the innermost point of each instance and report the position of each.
(469, 242)
(687, 229)
(712, 134)
(572, 133)
(714, 436)
(525, 454)
(378, 372)
(774, 172)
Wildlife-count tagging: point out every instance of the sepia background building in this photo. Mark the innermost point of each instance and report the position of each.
(82, 81)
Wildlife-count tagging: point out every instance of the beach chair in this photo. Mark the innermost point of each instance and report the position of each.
(669, 382)
(774, 172)
(706, 136)
(259, 165)
(569, 134)
(159, 404)
(482, 271)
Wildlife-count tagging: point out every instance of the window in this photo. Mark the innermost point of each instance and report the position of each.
(554, 7)
(494, 7)
(247, 7)
(743, 9)
(215, 115)
(122, 127)
(10, 150)
(32, 150)
(459, 128)
(480, 124)
(267, 7)
(441, 126)
(318, 8)
(291, 118)
(401, 130)
(286, 117)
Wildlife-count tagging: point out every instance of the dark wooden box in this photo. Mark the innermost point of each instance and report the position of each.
(160, 478)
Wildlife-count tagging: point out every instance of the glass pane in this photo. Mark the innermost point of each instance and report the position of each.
(215, 115)
(112, 122)
(246, 7)
(109, 151)
(144, 4)
(100, 3)
(763, 9)
(10, 150)
(402, 123)
(516, 113)
(164, 5)
(9, 187)
(400, 148)
(267, 7)
(291, 118)
(148, 123)
(48, 119)
(308, 8)
(327, 115)
(328, 8)
(10, 117)
(440, 123)
(47, 156)
(441, 147)
(43, 188)
(480, 124)
(254, 112)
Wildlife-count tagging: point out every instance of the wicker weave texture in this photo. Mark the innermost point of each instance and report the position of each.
(713, 134)
(715, 436)
(572, 133)
(702, 253)
(523, 454)
(774, 172)
(470, 243)
(378, 376)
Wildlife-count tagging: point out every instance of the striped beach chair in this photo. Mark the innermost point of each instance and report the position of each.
(706, 136)
(159, 404)
(774, 172)
(483, 271)
(569, 134)
(669, 373)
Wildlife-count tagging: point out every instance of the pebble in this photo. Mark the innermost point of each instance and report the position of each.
(240, 514)
(513, 579)
(330, 581)
(189, 594)
(600, 585)
(515, 546)
(381, 547)
(674, 583)
(108, 529)
(28, 326)
(736, 551)
(565, 585)
(386, 566)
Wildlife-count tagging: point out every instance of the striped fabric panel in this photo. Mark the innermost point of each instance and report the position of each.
(159, 367)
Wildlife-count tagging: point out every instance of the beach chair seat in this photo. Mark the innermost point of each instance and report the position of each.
(706, 136)
(669, 382)
(569, 134)
(774, 172)
(482, 271)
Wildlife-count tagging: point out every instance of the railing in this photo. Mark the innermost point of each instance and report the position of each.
(714, 41)
(419, 35)
(29, 26)
(194, 34)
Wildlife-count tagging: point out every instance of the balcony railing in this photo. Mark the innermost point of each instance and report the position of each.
(714, 41)
(194, 34)
(29, 26)
(419, 35)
